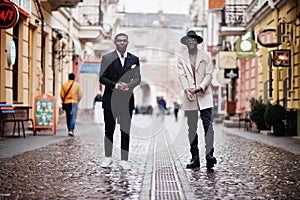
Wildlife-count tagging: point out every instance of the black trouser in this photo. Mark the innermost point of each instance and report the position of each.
(110, 123)
(192, 121)
(176, 113)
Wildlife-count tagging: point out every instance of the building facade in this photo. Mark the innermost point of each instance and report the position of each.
(271, 72)
(278, 31)
(48, 41)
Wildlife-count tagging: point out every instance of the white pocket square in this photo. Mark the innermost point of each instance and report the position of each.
(133, 66)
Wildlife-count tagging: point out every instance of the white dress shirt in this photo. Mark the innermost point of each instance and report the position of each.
(122, 58)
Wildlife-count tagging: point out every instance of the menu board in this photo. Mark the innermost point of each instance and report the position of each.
(44, 113)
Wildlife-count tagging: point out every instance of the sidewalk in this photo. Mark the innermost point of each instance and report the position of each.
(14, 145)
(291, 144)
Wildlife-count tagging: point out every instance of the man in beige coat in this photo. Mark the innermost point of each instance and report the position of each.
(195, 73)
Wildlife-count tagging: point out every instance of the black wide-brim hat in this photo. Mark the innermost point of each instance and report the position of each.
(191, 34)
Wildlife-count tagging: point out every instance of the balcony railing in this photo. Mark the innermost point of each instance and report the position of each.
(56, 4)
(234, 15)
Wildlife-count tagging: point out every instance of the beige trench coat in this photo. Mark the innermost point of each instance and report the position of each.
(203, 73)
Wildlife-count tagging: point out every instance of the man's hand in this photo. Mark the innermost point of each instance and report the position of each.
(189, 95)
(196, 90)
(123, 86)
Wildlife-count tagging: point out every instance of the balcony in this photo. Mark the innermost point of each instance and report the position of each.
(233, 19)
(230, 31)
(56, 4)
(94, 33)
(104, 47)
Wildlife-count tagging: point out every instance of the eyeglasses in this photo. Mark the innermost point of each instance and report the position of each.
(191, 39)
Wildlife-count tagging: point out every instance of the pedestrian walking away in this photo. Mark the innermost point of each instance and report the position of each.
(71, 95)
(195, 74)
(98, 111)
(176, 110)
(162, 106)
(120, 73)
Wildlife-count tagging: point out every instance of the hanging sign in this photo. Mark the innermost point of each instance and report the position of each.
(11, 53)
(9, 15)
(231, 73)
(245, 46)
(282, 58)
(267, 37)
(226, 60)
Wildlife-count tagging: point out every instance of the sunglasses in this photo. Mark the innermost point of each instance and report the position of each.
(191, 39)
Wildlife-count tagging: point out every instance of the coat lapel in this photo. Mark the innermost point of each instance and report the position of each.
(116, 62)
(128, 62)
(188, 62)
(199, 57)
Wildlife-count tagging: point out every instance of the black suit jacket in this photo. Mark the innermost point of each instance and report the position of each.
(112, 72)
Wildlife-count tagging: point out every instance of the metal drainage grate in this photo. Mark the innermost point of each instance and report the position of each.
(167, 185)
(165, 182)
(167, 195)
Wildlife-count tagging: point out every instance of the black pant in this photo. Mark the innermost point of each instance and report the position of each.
(192, 121)
(176, 113)
(110, 123)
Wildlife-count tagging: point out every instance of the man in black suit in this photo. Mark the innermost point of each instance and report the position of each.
(120, 73)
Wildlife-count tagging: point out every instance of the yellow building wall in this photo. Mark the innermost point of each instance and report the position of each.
(24, 87)
(7, 81)
(288, 14)
(32, 79)
(262, 70)
(2, 65)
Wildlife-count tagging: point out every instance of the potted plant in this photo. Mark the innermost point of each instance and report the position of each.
(258, 109)
(275, 115)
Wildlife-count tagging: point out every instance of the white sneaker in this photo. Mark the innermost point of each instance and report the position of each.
(125, 164)
(106, 162)
(71, 133)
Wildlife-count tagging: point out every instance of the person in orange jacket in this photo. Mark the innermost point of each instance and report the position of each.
(71, 95)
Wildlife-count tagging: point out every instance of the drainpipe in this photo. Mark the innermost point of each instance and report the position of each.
(42, 42)
(100, 13)
(53, 64)
(277, 71)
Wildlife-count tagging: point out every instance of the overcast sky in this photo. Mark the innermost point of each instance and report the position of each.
(150, 6)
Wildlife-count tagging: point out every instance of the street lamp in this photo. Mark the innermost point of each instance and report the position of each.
(60, 51)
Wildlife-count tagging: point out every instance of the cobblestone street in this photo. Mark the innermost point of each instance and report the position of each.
(248, 170)
(155, 68)
(70, 169)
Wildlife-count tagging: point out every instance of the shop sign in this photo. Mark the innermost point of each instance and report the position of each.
(245, 46)
(89, 67)
(9, 15)
(231, 73)
(11, 53)
(44, 113)
(267, 38)
(282, 58)
(226, 60)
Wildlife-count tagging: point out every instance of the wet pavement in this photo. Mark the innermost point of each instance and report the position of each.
(61, 167)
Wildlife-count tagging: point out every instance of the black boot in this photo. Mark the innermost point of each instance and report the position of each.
(210, 161)
(194, 163)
